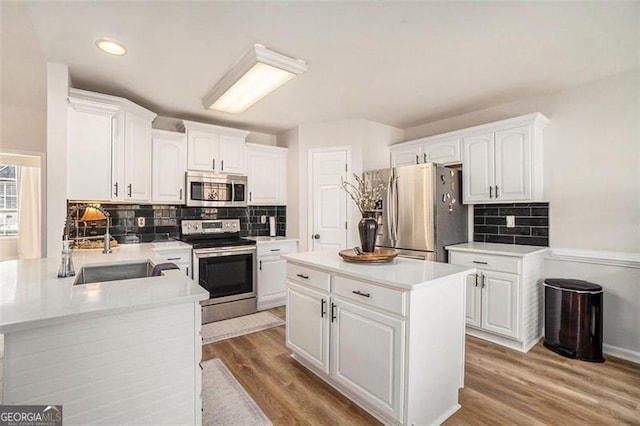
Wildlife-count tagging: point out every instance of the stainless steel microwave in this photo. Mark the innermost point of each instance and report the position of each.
(213, 190)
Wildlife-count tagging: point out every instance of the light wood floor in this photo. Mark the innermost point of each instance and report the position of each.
(501, 386)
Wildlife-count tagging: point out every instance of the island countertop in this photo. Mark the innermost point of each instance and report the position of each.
(31, 294)
(401, 273)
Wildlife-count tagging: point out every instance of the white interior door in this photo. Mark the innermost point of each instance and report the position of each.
(328, 201)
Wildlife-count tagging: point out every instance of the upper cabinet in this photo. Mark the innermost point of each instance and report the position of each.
(215, 148)
(266, 175)
(503, 161)
(426, 150)
(109, 148)
(169, 163)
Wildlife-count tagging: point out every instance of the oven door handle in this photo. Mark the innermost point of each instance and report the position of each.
(226, 251)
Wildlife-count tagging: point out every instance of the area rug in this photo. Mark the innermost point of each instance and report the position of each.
(226, 329)
(224, 400)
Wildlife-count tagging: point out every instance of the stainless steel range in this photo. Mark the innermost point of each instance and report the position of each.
(225, 265)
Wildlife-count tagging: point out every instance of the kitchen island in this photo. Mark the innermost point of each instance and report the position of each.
(388, 336)
(123, 351)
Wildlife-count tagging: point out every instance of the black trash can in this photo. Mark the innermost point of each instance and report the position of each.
(573, 318)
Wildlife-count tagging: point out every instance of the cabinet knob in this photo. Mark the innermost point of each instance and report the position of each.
(316, 236)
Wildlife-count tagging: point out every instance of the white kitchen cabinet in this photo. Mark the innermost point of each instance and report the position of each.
(89, 135)
(504, 297)
(267, 175)
(387, 348)
(503, 161)
(181, 256)
(272, 271)
(216, 149)
(119, 169)
(169, 164)
(307, 327)
(378, 377)
(426, 150)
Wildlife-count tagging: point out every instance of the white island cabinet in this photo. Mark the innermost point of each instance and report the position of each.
(113, 352)
(388, 336)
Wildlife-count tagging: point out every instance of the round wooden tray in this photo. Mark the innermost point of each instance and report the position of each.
(378, 256)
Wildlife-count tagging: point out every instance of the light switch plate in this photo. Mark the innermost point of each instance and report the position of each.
(263, 219)
(511, 221)
(141, 222)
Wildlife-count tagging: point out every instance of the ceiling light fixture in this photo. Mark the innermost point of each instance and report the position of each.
(258, 73)
(111, 47)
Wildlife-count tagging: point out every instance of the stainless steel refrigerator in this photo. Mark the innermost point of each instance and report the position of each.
(421, 210)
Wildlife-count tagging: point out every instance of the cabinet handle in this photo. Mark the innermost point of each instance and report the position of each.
(260, 267)
(275, 249)
(480, 263)
(359, 293)
(424, 156)
(306, 277)
(187, 270)
(173, 258)
(476, 279)
(323, 308)
(333, 312)
(490, 192)
(129, 186)
(222, 165)
(497, 191)
(116, 189)
(249, 195)
(417, 159)
(180, 194)
(214, 164)
(482, 276)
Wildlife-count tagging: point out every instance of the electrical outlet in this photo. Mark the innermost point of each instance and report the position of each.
(511, 221)
(141, 222)
(263, 219)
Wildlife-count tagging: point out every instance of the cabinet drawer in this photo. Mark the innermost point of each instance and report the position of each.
(273, 249)
(372, 295)
(308, 276)
(176, 257)
(486, 261)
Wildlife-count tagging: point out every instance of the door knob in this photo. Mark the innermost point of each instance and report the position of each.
(316, 236)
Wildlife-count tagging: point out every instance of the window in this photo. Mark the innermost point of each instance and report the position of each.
(8, 200)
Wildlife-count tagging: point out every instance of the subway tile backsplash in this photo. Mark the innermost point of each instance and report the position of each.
(531, 223)
(163, 221)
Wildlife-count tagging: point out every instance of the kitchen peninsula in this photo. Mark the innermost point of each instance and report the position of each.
(124, 351)
(388, 336)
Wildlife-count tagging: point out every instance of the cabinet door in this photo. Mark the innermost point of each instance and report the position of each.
(367, 355)
(89, 154)
(137, 170)
(500, 303)
(308, 325)
(202, 150)
(168, 169)
(231, 151)
(478, 176)
(473, 301)
(264, 177)
(513, 164)
(443, 152)
(272, 281)
(406, 156)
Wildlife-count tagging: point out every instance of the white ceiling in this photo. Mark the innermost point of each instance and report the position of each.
(395, 63)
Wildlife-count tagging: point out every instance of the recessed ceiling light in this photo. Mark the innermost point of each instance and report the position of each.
(111, 47)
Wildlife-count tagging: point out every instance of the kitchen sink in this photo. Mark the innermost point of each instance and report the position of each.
(126, 271)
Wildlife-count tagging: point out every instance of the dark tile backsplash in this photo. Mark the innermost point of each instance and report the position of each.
(531, 223)
(163, 221)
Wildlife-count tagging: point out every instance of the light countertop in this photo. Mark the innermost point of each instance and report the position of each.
(31, 293)
(266, 240)
(401, 273)
(499, 249)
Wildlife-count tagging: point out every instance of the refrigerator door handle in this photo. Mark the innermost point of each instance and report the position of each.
(390, 219)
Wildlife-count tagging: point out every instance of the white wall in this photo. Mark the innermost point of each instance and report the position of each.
(592, 182)
(369, 143)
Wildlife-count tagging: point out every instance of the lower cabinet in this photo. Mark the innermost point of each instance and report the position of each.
(504, 297)
(272, 272)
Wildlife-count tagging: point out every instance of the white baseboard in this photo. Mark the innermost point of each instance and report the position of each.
(627, 354)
